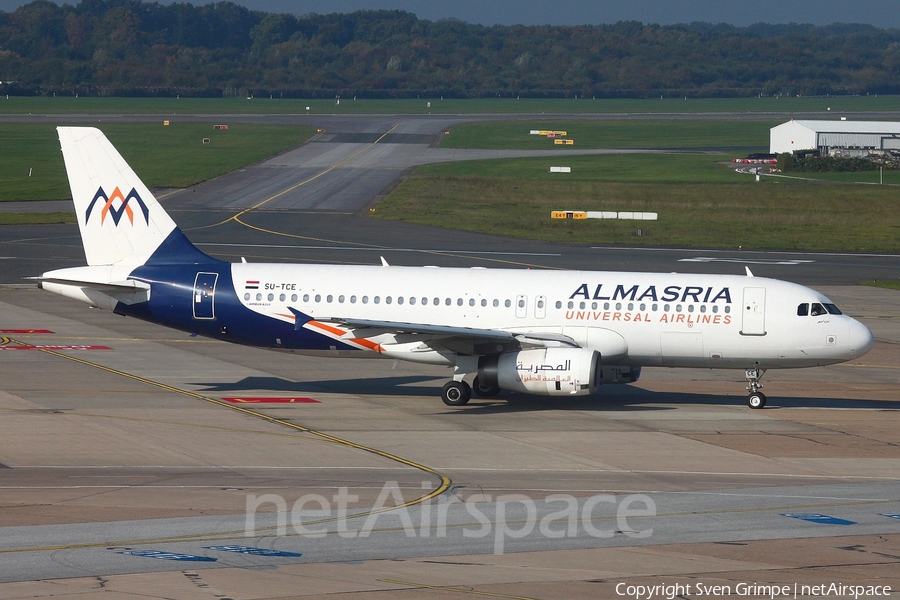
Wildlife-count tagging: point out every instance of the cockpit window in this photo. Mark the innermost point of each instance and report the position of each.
(818, 309)
(802, 310)
(832, 309)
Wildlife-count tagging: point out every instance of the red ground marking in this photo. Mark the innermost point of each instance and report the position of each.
(288, 400)
(26, 331)
(53, 347)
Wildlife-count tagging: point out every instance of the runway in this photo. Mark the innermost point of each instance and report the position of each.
(133, 457)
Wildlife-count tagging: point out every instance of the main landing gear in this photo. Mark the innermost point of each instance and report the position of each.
(756, 399)
(456, 393)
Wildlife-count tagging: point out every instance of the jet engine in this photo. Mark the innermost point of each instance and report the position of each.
(545, 371)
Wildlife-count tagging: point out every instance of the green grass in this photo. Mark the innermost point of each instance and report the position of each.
(172, 156)
(632, 133)
(660, 168)
(36, 218)
(890, 284)
(265, 105)
(700, 204)
(891, 177)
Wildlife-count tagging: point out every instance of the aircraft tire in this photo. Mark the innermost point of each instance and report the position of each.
(756, 400)
(483, 390)
(456, 393)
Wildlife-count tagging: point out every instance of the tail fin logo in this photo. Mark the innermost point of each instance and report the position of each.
(123, 209)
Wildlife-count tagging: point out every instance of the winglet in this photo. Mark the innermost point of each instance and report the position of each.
(749, 274)
(384, 263)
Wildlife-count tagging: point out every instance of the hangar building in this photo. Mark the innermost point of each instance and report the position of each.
(849, 138)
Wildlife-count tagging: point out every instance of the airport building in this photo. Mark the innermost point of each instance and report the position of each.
(844, 138)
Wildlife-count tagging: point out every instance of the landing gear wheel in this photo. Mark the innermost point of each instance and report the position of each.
(456, 393)
(484, 390)
(756, 400)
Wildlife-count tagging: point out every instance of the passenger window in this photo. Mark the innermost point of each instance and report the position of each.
(281, 298)
(581, 305)
(399, 299)
(377, 300)
(341, 298)
(803, 310)
(272, 297)
(558, 304)
(352, 299)
(293, 297)
(247, 296)
(388, 300)
(306, 297)
(329, 298)
(497, 303)
(571, 304)
(412, 299)
(507, 304)
(817, 309)
(459, 302)
(471, 301)
(484, 302)
(727, 309)
(447, 301)
(703, 308)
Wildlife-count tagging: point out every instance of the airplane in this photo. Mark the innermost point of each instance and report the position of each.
(553, 333)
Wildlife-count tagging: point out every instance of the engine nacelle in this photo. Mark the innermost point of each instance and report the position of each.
(545, 371)
(618, 374)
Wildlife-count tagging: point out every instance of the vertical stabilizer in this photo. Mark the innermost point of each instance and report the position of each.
(121, 222)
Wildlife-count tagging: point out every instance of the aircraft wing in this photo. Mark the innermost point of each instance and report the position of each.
(460, 339)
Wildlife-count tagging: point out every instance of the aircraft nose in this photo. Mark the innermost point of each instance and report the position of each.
(861, 339)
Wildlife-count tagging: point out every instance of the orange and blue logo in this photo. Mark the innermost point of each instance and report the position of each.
(123, 209)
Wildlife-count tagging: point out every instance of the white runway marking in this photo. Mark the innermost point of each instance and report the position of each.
(749, 261)
(379, 249)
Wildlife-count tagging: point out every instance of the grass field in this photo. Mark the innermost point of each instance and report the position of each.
(883, 283)
(172, 156)
(701, 203)
(266, 105)
(749, 135)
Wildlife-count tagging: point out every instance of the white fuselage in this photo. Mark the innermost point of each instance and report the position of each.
(687, 320)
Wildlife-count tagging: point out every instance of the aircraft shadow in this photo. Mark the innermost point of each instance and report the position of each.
(609, 397)
(394, 386)
(636, 399)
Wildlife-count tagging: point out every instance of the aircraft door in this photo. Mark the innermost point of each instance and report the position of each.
(521, 306)
(753, 310)
(540, 307)
(204, 295)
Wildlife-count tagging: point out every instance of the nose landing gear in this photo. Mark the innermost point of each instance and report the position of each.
(756, 399)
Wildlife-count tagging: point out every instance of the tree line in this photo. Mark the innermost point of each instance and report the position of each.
(130, 47)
